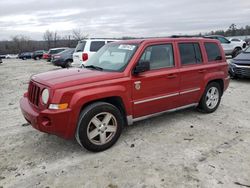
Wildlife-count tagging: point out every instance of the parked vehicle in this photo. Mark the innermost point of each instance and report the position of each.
(242, 42)
(240, 65)
(64, 58)
(86, 48)
(230, 48)
(46, 55)
(1, 61)
(125, 82)
(11, 56)
(2, 56)
(38, 54)
(54, 51)
(25, 55)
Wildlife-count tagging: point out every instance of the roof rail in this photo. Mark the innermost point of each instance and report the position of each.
(186, 36)
(101, 38)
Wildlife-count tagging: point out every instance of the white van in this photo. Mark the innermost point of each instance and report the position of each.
(86, 48)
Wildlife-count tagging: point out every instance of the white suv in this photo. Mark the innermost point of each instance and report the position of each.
(86, 48)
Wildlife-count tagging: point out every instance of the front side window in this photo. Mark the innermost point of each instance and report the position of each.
(213, 51)
(190, 53)
(112, 57)
(159, 56)
(96, 45)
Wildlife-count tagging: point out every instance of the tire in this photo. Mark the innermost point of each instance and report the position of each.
(93, 132)
(67, 64)
(236, 52)
(212, 93)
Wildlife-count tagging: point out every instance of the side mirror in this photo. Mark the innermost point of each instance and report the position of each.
(142, 66)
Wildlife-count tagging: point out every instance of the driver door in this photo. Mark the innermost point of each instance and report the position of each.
(156, 90)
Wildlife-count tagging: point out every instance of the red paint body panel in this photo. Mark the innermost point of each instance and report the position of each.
(45, 56)
(160, 90)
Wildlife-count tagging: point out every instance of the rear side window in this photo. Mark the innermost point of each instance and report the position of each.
(96, 45)
(190, 53)
(80, 46)
(213, 51)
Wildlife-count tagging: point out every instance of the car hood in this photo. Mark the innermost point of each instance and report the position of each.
(243, 58)
(74, 76)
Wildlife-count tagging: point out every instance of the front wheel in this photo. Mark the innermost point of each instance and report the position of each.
(99, 127)
(211, 98)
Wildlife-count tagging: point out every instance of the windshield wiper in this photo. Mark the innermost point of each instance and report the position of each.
(93, 67)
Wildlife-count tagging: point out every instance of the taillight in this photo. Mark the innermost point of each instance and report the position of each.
(85, 56)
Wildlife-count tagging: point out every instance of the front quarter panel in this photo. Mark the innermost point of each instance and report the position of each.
(85, 96)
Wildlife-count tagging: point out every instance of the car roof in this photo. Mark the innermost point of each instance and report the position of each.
(166, 39)
(99, 39)
(58, 48)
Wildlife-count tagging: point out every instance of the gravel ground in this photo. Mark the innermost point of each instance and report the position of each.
(182, 149)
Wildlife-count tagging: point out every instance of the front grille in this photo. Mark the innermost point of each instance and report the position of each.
(34, 93)
(242, 71)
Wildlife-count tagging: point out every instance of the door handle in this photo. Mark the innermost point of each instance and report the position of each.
(170, 76)
(202, 71)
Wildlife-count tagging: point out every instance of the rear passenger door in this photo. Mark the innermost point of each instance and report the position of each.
(156, 90)
(192, 72)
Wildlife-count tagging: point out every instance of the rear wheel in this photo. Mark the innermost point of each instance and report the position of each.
(236, 52)
(67, 64)
(211, 98)
(99, 127)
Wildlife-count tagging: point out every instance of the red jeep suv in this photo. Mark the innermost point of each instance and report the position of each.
(125, 82)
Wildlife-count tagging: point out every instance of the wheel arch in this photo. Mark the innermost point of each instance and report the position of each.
(219, 81)
(114, 100)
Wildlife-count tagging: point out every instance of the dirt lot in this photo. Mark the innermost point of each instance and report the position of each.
(182, 149)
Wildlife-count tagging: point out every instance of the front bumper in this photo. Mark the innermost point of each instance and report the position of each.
(55, 122)
(239, 70)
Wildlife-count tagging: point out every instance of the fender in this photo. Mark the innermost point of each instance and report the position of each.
(212, 76)
(83, 97)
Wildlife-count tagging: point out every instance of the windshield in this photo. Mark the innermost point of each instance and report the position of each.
(247, 50)
(112, 57)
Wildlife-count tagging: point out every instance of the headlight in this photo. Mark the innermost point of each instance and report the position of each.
(45, 96)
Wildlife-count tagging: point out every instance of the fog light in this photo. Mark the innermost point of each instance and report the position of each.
(58, 106)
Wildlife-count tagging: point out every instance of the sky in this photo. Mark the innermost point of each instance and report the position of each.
(118, 18)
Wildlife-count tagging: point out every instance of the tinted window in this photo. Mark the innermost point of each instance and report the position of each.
(213, 51)
(80, 46)
(237, 40)
(159, 56)
(223, 40)
(96, 45)
(190, 53)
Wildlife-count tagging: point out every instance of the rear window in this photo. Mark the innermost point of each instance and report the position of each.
(56, 51)
(96, 45)
(190, 53)
(213, 51)
(80, 46)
